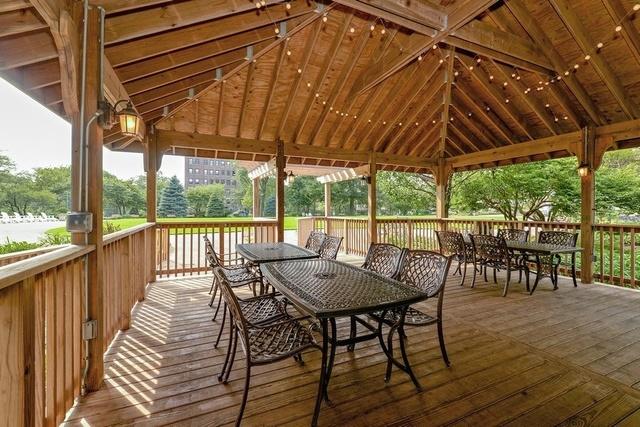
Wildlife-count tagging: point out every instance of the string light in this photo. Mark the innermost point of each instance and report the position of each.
(287, 6)
(288, 53)
(352, 30)
(324, 18)
(372, 28)
(383, 31)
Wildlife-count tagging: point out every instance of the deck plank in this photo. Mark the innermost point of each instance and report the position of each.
(568, 356)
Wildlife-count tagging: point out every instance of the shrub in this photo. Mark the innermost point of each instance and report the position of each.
(9, 246)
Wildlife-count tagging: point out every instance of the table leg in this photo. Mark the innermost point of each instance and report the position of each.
(405, 359)
(538, 274)
(332, 356)
(554, 279)
(323, 371)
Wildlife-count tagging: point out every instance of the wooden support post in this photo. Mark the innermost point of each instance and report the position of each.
(587, 220)
(94, 196)
(152, 200)
(441, 179)
(256, 198)
(280, 174)
(327, 199)
(373, 205)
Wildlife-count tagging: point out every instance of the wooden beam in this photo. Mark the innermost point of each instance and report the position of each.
(293, 91)
(11, 5)
(431, 92)
(497, 93)
(272, 84)
(167, 139)
(20, 21)
(392, 63)
(327, 200)
(26, 50)
(148, 21)
(587, 207)
(446, 101)
(341, 80)
(618, 12)
(585, 41)
(344, 175)
(507, 44)
(415, 89)
(263, 170)
(414, 143)
(256, 197)
(372, 206)
(280, 165)
(322, 75)
(480, 134)
(441, 177)
(245, 97)
(462, 136)
(531, 101)
(564, 142)
(538, 35)
(464, 101)
(170, 41)
(152, 195)
(422, 17)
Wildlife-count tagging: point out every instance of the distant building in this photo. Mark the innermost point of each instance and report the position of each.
(199, 171)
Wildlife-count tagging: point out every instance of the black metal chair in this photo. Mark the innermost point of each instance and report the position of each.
(558, 238)
(239, 275)
(384, 259)
(314, 241)
(492, 252)
(514, 234)
(330, 247)
(262, 342)
(428, 272)
(452, 245)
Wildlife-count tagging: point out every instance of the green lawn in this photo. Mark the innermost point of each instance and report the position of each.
(290, 222)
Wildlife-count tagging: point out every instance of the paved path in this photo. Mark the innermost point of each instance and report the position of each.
(29, 232)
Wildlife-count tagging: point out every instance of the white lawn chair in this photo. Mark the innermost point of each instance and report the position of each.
(48, 217)
(43, 217)
(17, 217)
(5, 218)
(30, 218)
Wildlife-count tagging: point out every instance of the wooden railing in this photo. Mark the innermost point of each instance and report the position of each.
(42, 308)
(128, 262)
(10, 258)
(181, 246)
(615, 246)
(41, 349)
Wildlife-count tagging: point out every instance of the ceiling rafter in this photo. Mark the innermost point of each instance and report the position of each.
(472, 127)
(432, 90)
(413, 139)
(530, 100)
(463, 137)
(399, 84)
(414, 90)
(272, 84)
(388, 66)
(490, 89)
(326, 67)
(517, 7)
(418, 147)
(170, 41)
(245, 96)
(630, 34)
(481, 111)
(308, 51)
(149, 21)
(584, 40)
(340, 82)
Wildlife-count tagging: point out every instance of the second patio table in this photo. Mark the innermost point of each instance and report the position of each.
(258, 253)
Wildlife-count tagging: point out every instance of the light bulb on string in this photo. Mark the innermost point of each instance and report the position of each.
(287, 6)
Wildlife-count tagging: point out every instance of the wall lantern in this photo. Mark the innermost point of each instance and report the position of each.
(288, 177)
(129, 120)
(583, 169)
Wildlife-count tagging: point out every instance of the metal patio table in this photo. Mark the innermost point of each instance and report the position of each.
(328, 289)
(541, 250)
(259, 253)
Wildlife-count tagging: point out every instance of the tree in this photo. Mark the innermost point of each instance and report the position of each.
(58, 181)
(198, 197)
(122, 196)
(173, 202)
(215, 207)
(269, 207)
(348, 195)
(303, 196)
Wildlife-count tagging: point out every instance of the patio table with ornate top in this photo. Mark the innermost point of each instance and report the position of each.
(258, 253)
(328, 289)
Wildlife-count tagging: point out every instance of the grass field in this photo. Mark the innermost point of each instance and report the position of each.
(290, 222)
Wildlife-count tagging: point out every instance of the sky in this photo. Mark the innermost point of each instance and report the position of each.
(32, 136)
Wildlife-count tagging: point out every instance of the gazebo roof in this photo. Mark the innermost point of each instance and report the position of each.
(412, 82)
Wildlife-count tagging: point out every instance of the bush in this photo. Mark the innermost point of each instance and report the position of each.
(110, 227)
(9, 246)
(54, 239)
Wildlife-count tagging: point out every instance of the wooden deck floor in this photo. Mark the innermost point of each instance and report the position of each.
(567, 357)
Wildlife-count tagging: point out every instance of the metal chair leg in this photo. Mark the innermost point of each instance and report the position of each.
(392, 329)
(443, 349)
(405, 360)
(217, 308)
(352, 333)
(464, 273)
(245, 393)
(224, 316)
(475, 272)
(233, 357)
(226, 358)
(506, 285)
(214, 288)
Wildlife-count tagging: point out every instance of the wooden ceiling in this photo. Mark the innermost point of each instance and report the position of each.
(412, 79)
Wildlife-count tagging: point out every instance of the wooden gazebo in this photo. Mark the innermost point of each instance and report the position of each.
(412, 86)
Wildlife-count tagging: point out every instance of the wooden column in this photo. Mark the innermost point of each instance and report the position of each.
(327, 199)
(152, 199)
(587, 221)
(280, 164)
(373, 202)
(94, 195)
(256, 198)
(441, 178)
